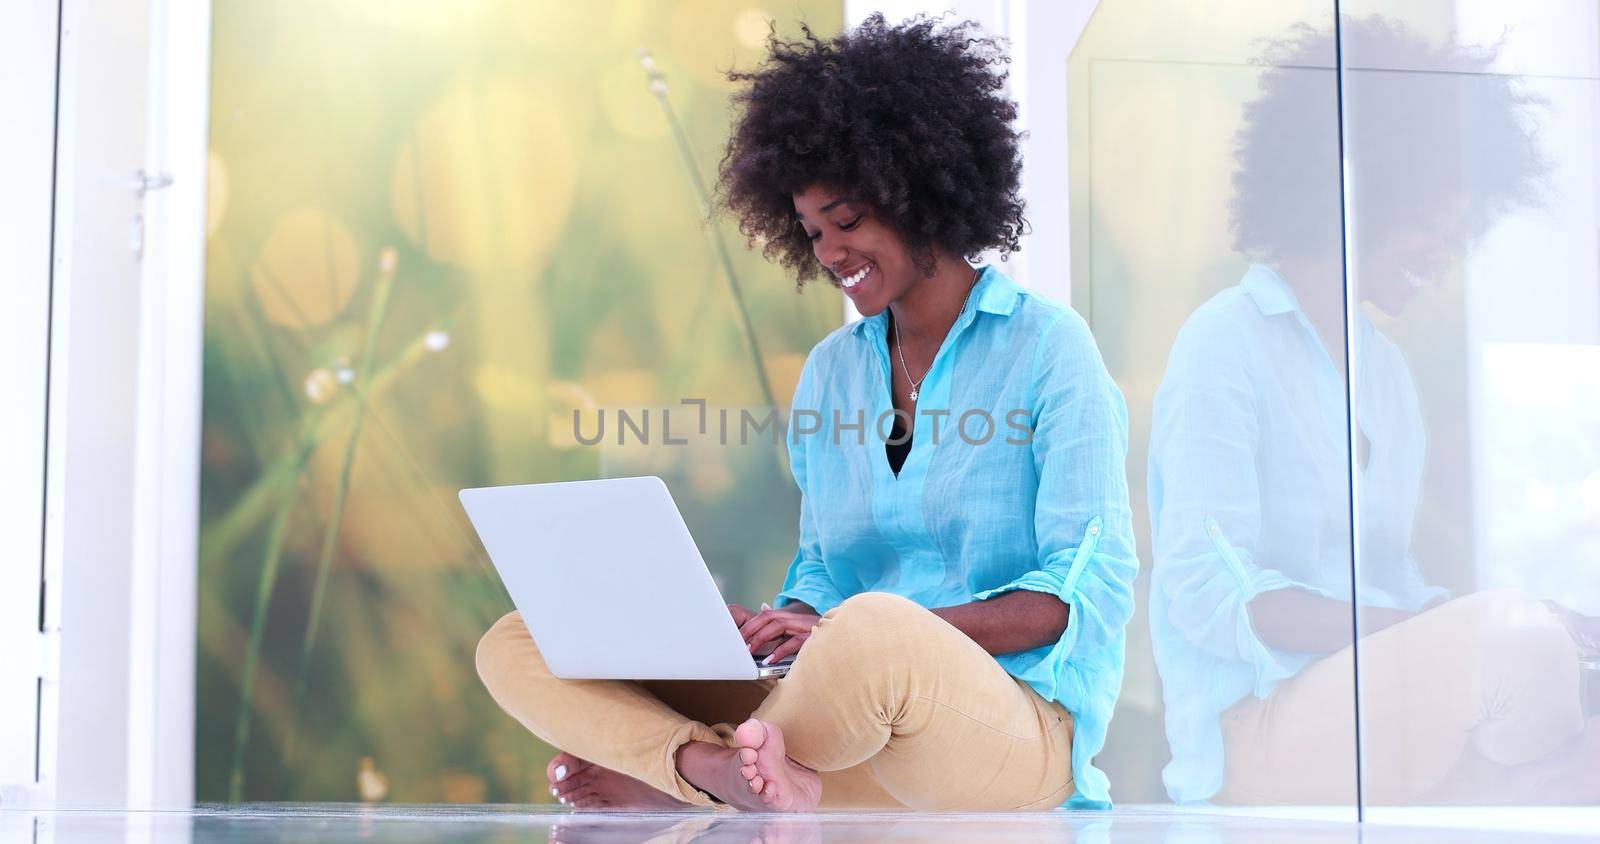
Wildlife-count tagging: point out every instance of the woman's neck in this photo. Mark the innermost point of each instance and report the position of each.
(1319, 289)
(925, 313)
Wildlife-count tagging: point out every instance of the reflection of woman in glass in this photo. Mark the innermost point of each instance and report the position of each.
(1249, 488)
(957, 602)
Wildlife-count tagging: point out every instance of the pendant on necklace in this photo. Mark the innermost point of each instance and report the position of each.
(913, 394)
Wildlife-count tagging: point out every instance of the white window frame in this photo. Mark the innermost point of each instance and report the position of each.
(117, 649)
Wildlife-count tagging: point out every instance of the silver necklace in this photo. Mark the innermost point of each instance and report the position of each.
(916, 385)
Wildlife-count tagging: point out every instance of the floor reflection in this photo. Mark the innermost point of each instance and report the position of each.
(342, 822)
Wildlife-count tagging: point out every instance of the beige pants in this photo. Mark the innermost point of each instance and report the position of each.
(1492, 675)
(892, 705)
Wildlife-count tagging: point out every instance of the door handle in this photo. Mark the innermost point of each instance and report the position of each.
(143, 182)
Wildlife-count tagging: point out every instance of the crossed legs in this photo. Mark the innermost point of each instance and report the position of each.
(1485, 683)
(892, 706)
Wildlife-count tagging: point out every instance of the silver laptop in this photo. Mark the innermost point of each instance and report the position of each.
(610, 582)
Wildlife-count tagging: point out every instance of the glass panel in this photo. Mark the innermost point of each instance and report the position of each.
(1471, 135)
(1206, 251)
(436, 231)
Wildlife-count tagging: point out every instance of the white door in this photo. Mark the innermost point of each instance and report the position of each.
(94, 358)
(116, 722)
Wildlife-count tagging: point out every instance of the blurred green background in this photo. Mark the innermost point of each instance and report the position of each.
(435, 231)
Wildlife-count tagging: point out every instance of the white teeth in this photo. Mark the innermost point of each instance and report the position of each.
(850, 281)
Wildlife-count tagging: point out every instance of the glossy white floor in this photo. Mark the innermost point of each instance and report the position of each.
(1135, 825)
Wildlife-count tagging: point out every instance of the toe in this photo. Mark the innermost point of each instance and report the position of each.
(756, 783)
(747, 755)
(751, 734)
(749, 771)
(564, 765)
(587, 780)
(581, 779)
(771, 739)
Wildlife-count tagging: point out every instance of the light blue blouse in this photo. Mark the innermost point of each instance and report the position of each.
(1040, 503)
(1249, 490)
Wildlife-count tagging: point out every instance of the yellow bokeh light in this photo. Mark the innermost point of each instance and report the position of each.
(783, 373)
(711, 36)
(621, 386)
(307, 270)
(486, 178)
(751, 27)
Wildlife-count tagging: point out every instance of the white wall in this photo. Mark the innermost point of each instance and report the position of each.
(27, 98)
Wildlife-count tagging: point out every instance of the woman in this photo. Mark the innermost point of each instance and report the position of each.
(957, 602)
(1464, 699)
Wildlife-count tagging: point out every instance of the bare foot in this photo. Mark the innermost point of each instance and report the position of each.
(782, 784)
(755, 775)
(584, 785)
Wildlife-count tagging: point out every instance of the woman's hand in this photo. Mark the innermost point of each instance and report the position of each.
(787, 629)
(740, 614)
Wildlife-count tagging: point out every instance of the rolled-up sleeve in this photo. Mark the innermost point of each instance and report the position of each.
(1206, 504)
(807, 579)
(1082, 522)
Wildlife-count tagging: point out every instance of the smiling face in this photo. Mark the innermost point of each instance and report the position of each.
(864, 257)
(1414, 248)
